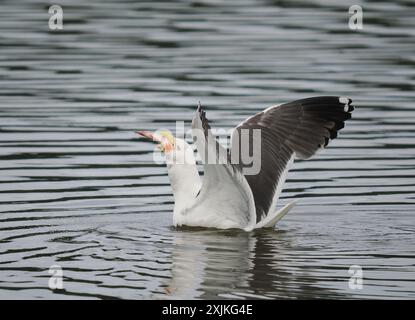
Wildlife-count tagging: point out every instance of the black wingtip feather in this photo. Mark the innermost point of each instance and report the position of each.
(202, 115)
(338, 126)
(333, 134)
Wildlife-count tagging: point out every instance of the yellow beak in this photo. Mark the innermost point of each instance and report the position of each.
(165, 139)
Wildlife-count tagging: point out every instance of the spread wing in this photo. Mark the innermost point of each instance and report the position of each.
(293, 130)
(225, 195)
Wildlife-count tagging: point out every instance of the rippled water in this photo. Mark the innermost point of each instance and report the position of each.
(79, 190)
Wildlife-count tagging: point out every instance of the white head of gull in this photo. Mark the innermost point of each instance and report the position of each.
(227, 197)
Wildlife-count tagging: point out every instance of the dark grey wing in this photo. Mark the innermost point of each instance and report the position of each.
(296, 129)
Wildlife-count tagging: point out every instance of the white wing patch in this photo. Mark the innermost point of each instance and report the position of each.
(225, 199)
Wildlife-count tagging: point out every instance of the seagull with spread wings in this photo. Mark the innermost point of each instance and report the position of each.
(227, 196)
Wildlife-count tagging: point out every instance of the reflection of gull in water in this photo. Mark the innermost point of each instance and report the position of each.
(209, 264)
(230, 195)
(204, 257)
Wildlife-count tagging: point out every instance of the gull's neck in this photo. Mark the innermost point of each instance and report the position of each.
(185, 182)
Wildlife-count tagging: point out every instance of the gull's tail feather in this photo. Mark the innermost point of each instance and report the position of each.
(272, 219)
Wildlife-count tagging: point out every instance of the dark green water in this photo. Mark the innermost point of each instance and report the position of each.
(79, 190)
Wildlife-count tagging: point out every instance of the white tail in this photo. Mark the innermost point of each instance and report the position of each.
(271, 220)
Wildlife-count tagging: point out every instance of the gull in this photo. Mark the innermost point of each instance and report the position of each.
(228, 196)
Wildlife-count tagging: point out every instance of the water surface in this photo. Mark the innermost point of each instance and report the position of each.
(79, 190)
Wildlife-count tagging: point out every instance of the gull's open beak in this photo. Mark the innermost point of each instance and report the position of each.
(147, 134)
(165, 145)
